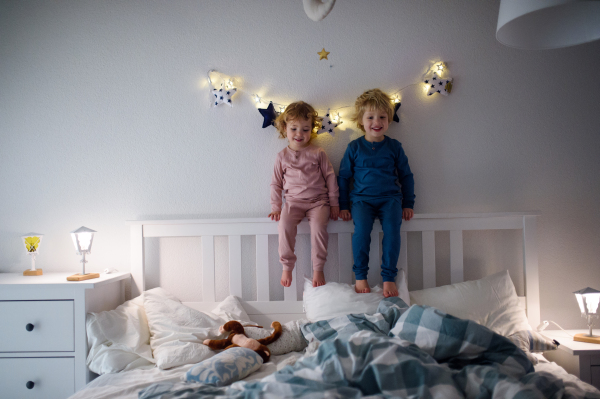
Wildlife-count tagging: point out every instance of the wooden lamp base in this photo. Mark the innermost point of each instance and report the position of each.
(80, 277)
(586, 338)
(36, 272)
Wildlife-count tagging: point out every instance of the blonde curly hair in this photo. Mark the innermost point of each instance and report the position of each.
(295, 111)
(370, 100)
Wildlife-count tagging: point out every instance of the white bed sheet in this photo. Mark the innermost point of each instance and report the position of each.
(127, 384)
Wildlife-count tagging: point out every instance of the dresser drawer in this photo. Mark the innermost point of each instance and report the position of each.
(47, 377)
(50, 322)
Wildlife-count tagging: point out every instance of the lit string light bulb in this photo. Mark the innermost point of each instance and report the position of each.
(257, 98)
(336, 118)
(281, 109)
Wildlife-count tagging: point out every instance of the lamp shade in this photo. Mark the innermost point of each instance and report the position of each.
(32, 242)
(82, 239)
(588, 299)
(547, 24)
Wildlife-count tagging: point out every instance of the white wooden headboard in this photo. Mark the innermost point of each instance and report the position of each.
(263, 310)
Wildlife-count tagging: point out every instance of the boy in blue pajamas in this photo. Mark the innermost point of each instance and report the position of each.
(376, 164)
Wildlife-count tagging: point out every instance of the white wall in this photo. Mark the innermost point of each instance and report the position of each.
(104, 118)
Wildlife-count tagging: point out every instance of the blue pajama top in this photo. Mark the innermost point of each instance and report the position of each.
(379, 170)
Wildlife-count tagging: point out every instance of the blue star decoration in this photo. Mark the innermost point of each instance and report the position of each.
(223, 96)
(439, 85)
(396, 108)
(269, 115)
(327, 125)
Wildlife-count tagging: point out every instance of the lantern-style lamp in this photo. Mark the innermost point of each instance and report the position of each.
(82, 239)
(588, 299)
(32, 242)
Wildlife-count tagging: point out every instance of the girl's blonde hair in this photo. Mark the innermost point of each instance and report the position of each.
(295, 111)
(371, 100)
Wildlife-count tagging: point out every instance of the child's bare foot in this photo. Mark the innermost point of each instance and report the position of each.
(286, 278)
(362, 287)
(389, 289)
(318, 278)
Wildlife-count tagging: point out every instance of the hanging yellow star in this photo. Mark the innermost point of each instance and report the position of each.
(323, 54)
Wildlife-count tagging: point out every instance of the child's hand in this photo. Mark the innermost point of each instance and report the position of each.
(407, 214)
(275, 216)
(334, 212)
(345, 215)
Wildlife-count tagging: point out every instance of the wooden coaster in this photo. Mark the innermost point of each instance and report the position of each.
(586, 338)
(36, 272)
(79, 277)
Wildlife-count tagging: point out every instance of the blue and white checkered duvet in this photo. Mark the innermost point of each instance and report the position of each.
(400, 352)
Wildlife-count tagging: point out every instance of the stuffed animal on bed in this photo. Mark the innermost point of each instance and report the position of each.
(238, 337)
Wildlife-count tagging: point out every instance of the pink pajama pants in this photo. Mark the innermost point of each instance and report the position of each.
(292, 213)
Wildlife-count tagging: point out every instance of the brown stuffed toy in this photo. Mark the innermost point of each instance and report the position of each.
(238, 338)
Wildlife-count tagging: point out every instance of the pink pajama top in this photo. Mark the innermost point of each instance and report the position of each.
(304, 176)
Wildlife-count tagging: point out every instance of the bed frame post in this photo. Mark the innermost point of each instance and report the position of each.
(531, 269)
(137, 259)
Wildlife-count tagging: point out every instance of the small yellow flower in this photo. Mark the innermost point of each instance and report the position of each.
(31, 243)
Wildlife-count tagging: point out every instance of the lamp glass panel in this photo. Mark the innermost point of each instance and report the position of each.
(592, 302)
(580, 302)
(82, 241)
(32, 243)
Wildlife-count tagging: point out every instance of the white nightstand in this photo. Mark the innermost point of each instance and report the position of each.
(579, 358)
(43, 343)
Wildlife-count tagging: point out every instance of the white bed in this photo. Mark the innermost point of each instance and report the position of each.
(264, 310)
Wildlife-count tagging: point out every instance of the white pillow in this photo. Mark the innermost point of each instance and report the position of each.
(491, 301)
(119, 339)
(177, 331)
(339, 299)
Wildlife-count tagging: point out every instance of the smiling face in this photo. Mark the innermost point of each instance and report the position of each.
(376, 123)
(298, 133)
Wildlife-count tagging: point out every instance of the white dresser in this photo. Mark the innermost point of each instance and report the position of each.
(43, 344)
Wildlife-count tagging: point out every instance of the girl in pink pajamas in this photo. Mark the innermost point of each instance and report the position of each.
(305, 174)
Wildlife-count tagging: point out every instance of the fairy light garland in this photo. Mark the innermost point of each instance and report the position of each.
(432, 80)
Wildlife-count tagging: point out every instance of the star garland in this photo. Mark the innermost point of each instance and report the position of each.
(223, 94)
(269, 115)
(436, 80)
(329, 123)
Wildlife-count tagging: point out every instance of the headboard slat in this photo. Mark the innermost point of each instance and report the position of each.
(235, 265)
(344, 257)
(136, 236)
(403, 258)
(456, 256)
(262, 267)
(531, 270)
(428, 239)
(374, 276)
(208, 268)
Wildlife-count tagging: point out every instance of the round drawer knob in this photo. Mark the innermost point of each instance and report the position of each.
(29, 327)
(30, 385)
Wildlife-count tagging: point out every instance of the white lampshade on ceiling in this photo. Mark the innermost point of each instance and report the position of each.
(547, 24)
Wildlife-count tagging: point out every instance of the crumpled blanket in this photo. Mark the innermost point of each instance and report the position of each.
(416, 352)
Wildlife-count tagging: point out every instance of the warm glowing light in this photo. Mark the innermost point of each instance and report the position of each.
(281, 108)
(396, 100)
(440, 67)
(257, 98)
(336, 118)
(229, 83)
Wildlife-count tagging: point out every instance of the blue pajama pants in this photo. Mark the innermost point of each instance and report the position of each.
(389, 213)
